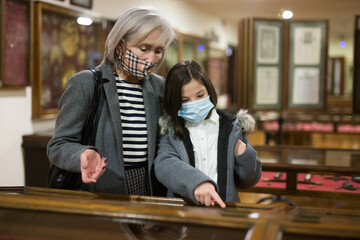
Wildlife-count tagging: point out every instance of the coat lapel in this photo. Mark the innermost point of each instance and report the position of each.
(188, 146)
(222, 158)
(113, 103)
(151, 118)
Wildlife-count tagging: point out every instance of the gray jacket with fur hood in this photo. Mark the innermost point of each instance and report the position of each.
(174, 164)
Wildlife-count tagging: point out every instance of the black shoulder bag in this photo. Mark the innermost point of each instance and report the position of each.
(62, 179)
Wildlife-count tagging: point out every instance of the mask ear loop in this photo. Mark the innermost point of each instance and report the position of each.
(121, 47)
(119, 55)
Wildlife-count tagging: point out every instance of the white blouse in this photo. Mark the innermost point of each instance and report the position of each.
(204, 138)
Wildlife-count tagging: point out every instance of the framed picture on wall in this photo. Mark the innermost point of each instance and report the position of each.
(267, 82)
(267, 64)
(308, 44)
(63, 47)
(267, 43)
(306, 84)
(15, 43)
(82, 3)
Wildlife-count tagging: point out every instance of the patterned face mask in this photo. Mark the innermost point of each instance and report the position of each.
(133, 65)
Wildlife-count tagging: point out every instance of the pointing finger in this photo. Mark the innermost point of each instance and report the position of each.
(217, 199)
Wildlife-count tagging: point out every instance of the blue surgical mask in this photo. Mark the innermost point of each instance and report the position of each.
(196, 111)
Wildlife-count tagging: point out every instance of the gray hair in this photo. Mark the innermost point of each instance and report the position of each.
(133, 26)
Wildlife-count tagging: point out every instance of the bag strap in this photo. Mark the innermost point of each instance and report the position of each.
(91, 124)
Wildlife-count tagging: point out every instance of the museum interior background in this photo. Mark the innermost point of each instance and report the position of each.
(299, 78)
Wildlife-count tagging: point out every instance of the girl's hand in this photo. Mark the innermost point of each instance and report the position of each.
(205, 194)
(240, 147)
(92, 166)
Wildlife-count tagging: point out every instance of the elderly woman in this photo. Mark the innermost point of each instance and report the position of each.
(121, 160)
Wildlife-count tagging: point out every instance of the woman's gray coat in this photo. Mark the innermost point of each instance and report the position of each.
(173, 169)
(64, 148)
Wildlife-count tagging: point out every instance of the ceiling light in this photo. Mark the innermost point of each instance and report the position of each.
(84, 21)
(286, 14)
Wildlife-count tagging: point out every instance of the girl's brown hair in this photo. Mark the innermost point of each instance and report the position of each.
(179, 75)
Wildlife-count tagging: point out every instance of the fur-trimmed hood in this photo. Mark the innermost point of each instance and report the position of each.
(244, 119)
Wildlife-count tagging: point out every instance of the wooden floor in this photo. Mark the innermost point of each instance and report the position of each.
(346, 204)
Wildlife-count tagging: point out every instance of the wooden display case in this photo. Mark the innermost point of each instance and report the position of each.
(36, 162)
(311, 129)
(60, 214)
(308, 171)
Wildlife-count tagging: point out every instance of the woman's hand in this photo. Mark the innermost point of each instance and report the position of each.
(92, 166)
(205, 194)
(240, 147)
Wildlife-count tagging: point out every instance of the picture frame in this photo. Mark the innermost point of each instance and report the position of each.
(267, 82)
(267, 64)
(306, 86)
(306, 83)
(62, 48)
(267, 43)
(307, 45)
(15, 43)
(82, 3)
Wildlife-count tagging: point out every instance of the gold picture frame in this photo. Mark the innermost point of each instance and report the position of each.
(62, 48)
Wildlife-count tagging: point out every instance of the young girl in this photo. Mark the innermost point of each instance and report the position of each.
(204, 153)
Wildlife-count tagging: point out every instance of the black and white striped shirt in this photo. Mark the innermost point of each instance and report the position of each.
(131, 103)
